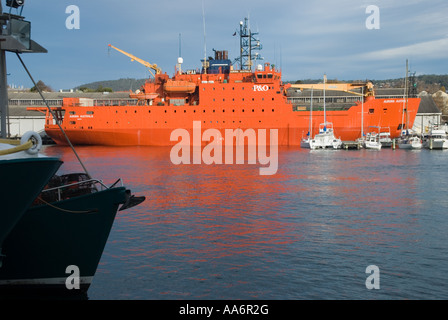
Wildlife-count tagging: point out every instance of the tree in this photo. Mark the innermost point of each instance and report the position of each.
(42, 86)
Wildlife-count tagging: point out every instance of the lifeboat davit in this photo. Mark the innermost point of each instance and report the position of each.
(179, 86)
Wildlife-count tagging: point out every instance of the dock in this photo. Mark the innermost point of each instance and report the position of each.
(351, 145)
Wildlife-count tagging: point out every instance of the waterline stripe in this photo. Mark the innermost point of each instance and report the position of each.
(43, 281)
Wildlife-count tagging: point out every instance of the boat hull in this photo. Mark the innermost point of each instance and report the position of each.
(409, 146)
(373, 146)
(410, 143)
(47, 241)
(437, 144)
(21, 182)
(153, 125)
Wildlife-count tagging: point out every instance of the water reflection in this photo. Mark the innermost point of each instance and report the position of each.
(225, 232)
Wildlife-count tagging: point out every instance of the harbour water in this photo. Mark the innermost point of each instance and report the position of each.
(209, 232)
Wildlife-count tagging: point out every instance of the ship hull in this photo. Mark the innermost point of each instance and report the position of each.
(49, 239)
(153, 125)
(22, 181)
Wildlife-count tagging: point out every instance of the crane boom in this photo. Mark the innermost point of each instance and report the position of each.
(143, 62)
(346, 87)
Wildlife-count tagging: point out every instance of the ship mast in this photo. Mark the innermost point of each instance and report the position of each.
(325, 113)
(248, 43)
(407, 94)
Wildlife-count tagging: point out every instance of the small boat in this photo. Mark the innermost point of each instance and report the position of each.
(372, 141)
(436, 139)
(410, 142)
(23, 175)
(384, 136)
(139, 95)
(179, 86)
(325, 138)
(305, 143)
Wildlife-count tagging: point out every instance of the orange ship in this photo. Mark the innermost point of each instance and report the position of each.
(220, 98)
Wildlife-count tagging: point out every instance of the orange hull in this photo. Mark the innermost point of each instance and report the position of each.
(153, 125)
(229, 99)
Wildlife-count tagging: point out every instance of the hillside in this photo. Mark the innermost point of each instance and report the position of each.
(430, 83)
(116, 85)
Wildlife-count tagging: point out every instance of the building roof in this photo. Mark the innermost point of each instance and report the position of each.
(427, 105)
(21, 95)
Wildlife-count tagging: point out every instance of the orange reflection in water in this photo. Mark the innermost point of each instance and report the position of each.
(228, 209)
(206, 212)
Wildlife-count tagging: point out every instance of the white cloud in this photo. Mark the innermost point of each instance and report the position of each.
(433, 49)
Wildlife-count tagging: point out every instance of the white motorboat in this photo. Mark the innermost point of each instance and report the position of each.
(436, 139)
(385, 139)
(372, 141)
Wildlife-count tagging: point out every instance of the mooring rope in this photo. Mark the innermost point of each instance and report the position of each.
(65, 210)
(20, 147)
(54, 116)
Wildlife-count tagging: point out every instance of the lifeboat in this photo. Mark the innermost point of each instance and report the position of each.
(143, 96)
(179, 86)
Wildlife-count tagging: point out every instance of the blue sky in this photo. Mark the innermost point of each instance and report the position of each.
(305, 38)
